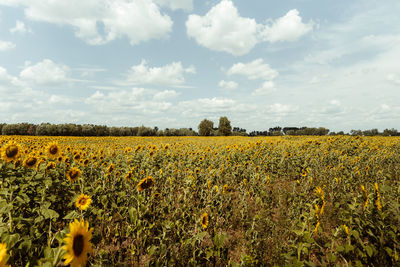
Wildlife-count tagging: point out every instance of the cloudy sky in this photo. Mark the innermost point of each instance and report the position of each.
(172, 63)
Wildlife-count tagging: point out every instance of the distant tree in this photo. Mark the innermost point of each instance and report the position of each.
(372, 132)
(1, 127)
(355, 132)
(274, 131)
(205, 127)
(390, 132)
(224, 126)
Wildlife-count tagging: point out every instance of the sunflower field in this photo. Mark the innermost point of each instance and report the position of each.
(190, 201)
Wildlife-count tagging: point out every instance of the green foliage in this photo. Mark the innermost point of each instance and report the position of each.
(224, 126)
(205, 127)
(286, 201)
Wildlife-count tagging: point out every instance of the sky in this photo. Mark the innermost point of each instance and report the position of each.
(172, 63)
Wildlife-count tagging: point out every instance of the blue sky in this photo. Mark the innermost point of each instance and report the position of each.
(172, 63)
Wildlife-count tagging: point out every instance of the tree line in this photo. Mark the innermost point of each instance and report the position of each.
(205, 128)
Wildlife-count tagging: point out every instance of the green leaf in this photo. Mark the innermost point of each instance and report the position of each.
(200, 236)
(70, 216)
(152, 250)
(11, 240)
(49, 213)
(369, 250)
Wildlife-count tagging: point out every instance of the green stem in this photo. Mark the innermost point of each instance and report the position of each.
(9, 213)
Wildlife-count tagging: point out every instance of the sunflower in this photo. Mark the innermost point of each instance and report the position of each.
(3, 255)
(77, 243)
(77, 156)
(73, 174)
(145, 183)
(129, 175)
(227, 189)
(83, 202)
(85, 162)
(53, 150)
(11, 151)
(17, 163)
(30, 161)
(204, 220)
(110, 168)
(50, 165)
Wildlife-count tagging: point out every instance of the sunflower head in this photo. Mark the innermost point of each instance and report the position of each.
(86, 162)
(204, 220)
(52, 150)
(77, 243)
(110, 168)
(83, 202)
(129, 175)
(145, 183)
(11, 151)
(3, 255)
(73, 174)
(30, 161)
(50, 165)
(77, 156)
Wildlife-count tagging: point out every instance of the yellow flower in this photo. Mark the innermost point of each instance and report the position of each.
(11, 151)
(129, 175)
(30, 161)
(110, 168)
(365, 195)
(3, 255)
(145, 183)
(204, 220)
(50, 165)
(73, 174)
(53, 150)
(346, 229)
(83, 202)
(77, 243)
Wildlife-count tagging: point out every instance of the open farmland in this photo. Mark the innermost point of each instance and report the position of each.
(194, 200)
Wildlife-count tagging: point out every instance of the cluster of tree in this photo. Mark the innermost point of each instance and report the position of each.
(278, 131)
(206, 128)
(374, 132)
(71, 129)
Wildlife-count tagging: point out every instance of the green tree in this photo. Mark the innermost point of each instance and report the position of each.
(205, 127)
(224, 127)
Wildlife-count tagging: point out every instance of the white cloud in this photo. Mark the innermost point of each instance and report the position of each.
(282, 108)
(223, 29)
(168, 75)
(287, 28)
(212, 107)
(57, 99)
(137, 100)
(394, 78)
(254, 70)
(4, 45)
(230, 85)
(166, 94)
(20, 28)
(101, 21)
(266, 88)
(45, 72)
(176, 4)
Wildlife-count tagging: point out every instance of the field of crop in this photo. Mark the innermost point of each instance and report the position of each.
(135, 201)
